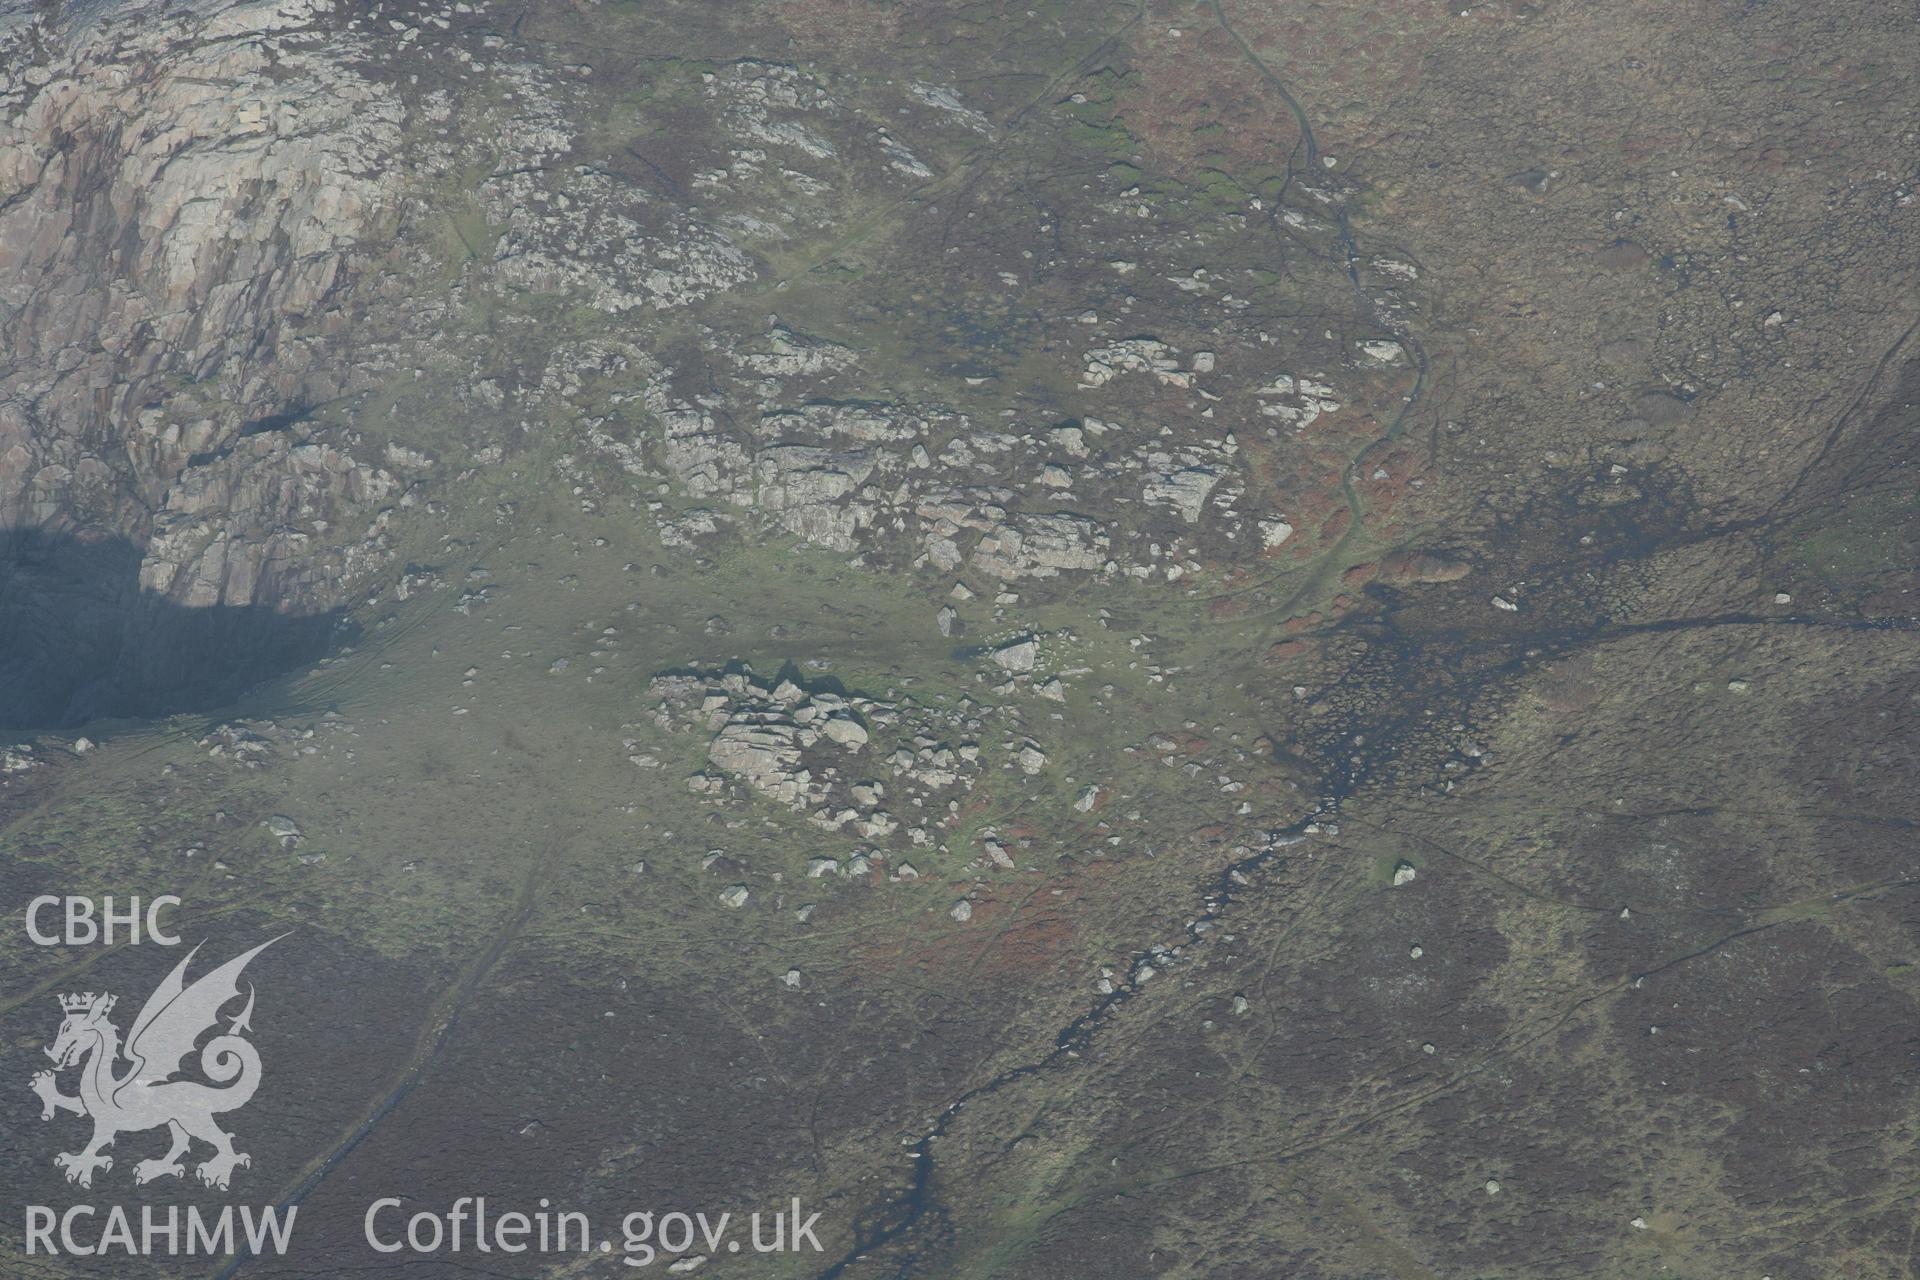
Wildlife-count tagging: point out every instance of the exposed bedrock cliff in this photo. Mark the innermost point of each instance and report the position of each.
(190, 197)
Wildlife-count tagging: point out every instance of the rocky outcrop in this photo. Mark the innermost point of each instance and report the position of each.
(175, 212)
(264, 264)
(855, 764)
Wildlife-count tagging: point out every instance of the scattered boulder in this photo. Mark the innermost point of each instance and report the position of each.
(1274, 532)
(1381, 352)
(846, 731)
(1017, 656)
(285, 830)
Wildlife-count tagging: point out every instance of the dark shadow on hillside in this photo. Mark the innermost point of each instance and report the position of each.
(79, 639)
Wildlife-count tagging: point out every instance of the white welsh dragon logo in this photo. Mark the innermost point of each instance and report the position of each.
(145, 1096)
